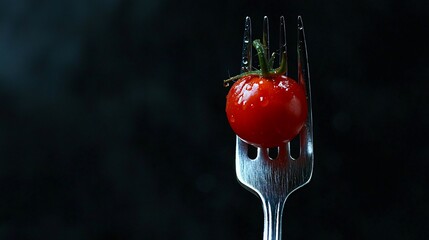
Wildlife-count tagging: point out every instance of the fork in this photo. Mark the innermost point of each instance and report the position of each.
(273, 179)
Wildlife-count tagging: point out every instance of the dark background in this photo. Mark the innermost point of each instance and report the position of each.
(112, 120)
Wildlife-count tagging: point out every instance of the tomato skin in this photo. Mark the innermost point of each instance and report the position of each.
(266, 112)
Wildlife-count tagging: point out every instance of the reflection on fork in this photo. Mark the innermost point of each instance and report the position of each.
(274, 179)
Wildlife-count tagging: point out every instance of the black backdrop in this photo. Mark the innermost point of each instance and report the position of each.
(112, 120)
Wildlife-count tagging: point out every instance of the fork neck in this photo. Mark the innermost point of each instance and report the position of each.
(273, 211)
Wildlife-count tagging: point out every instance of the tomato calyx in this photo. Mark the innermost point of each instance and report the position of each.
(266, 65)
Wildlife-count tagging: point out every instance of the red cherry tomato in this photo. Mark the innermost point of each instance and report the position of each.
(266, 111)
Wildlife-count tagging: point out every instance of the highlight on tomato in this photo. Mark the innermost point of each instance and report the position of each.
(265, 108)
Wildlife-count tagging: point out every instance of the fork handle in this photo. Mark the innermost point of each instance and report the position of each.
(273, 211)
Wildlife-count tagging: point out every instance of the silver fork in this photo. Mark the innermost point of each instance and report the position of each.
(273, 180)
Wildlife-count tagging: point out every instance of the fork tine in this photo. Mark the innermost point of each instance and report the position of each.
(282, 39)
(246, 65)
(284, 151)
(266, 37)
(306, 135)
(246, 56)
(241, 151)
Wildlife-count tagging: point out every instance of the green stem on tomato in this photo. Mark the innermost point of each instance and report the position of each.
(260, 49)
(226, 82)
(266, 66)
(271, 60)
(282, 69)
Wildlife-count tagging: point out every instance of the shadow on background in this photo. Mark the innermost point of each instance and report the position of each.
(113, 127)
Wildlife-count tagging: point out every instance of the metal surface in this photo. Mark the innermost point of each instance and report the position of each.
(274, 179)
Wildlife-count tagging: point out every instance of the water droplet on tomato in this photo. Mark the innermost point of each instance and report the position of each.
(232, 118)
(240, 100)
(248, 87)
(263, 101)
(244, 105)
